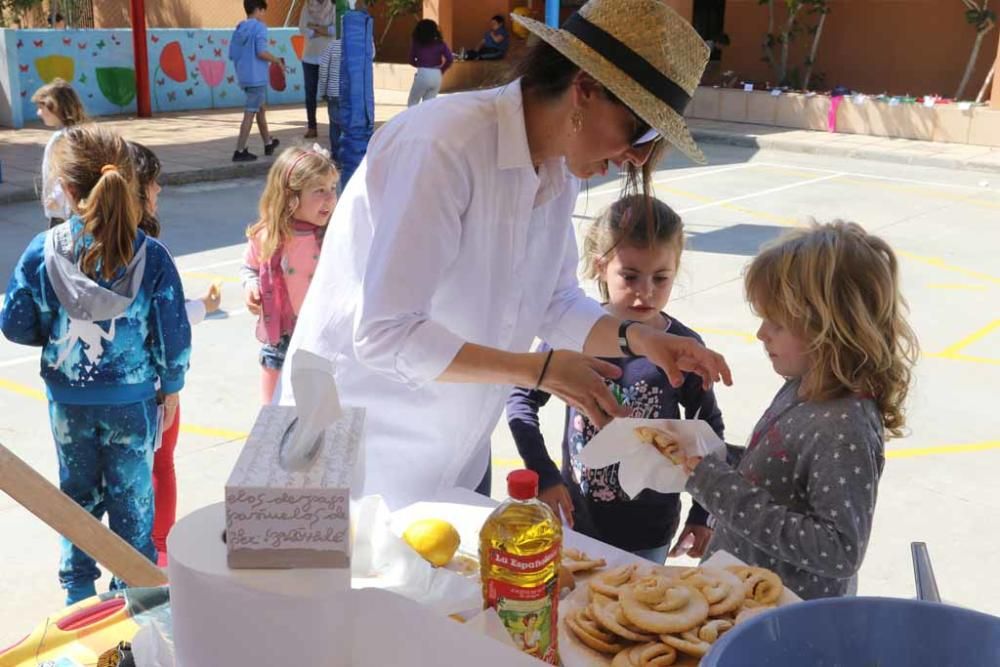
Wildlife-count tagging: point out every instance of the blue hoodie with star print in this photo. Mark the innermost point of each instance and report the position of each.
(103, 342)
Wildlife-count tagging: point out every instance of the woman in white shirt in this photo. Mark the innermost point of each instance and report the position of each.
(453, 248)
(318, 22)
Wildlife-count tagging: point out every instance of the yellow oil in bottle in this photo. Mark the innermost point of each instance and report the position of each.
(520, 548)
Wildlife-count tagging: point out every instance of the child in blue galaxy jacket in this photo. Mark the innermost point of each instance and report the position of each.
(106, 305)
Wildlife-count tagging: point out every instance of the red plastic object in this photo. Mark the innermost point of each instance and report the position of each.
(91, 615)
(277, 76)
(522, 484)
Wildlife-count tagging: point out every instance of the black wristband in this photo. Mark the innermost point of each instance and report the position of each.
(545, 367)
(623, 338)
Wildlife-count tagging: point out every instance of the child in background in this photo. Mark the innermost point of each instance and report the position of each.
(248, 51)
(633, 251)
(283, 250)
(106, 304)
(147, 171)
(329, 89)
(60, 107)
(432, 58)
(802, 500)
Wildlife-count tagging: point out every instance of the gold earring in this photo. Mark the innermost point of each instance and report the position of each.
(577, 120)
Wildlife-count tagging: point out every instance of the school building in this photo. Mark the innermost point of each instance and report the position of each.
(900, 47)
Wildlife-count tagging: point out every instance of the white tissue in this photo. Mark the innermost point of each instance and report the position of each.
(317, 406)
(642, 466)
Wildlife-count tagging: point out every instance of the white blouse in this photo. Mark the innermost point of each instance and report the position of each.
(444, 235)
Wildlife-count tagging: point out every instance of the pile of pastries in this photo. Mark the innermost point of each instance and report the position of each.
(640, 615)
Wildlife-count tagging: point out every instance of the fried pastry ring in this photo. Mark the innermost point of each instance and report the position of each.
(664, 441)
(651, 654)
(609, 583)
(576, 561)
(762, 586)
(609, 614)
(660, 605)
(724, 590)
(713, 629)
(586, 629)
(687, 642)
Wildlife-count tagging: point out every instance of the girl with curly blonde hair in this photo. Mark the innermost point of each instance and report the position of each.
(802, 500)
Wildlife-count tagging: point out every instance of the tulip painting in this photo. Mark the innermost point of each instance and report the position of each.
(212, 72)
(299, 45)
(172, 65)
(55, 67)
(117, 84)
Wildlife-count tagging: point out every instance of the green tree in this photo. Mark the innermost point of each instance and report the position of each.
(781, 38)
(395, 9)
(983, 19)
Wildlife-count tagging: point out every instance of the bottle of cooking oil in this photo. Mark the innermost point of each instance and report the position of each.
(520, 546)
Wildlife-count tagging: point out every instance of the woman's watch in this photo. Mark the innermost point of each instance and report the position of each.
(623, 338)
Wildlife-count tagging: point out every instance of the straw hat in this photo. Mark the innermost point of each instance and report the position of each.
(643, 52)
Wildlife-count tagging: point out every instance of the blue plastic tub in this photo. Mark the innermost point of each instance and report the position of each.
(862, 632)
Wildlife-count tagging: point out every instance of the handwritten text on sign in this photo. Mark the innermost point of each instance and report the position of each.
(282, 519)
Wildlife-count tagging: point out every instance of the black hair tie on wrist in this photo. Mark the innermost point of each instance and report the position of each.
(545, 367)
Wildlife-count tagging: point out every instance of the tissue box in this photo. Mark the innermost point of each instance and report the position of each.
(281, 519)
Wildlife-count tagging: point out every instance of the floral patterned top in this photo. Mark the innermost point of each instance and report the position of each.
(602, 509)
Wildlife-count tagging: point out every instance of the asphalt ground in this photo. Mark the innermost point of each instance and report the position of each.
(939, 481)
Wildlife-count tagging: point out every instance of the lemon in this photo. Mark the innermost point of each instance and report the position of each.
(434, 539)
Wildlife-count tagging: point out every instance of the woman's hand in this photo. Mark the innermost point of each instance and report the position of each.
(677, 355)
(252, 299)
(579, 381)
(557, 497)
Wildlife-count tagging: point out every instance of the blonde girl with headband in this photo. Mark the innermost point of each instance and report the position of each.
(105, 303)
(283, 249)
(58, 107)
(802, 500)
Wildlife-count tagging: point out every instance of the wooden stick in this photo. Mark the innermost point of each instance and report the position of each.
(986, 84)
(22, 483)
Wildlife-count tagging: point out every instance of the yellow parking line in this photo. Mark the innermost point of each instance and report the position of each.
(213, 432)
(214, 277)
(942, 449)
(193, 429)
(963, 357)
(23, 390)
(955, 286)
(748, 337)
(970, 339)
(926, 192)
(939, 263)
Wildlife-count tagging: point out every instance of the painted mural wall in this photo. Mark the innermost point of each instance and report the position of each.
(189, 69)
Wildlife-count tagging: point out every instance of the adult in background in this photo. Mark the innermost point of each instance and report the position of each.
(432, 58)
(453, 247)
(318, 22)
(495, 42)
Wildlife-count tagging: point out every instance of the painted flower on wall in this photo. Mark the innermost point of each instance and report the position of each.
(172, 62)
(117, 84)
(212, 72)
(299, 45)
(52, 67)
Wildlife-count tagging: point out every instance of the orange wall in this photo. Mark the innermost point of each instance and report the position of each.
(875, 46)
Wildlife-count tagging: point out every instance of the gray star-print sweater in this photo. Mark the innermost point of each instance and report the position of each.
(802, 499)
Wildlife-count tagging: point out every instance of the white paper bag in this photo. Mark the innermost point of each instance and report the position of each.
(642, 466)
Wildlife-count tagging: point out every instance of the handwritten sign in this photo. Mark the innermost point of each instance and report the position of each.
(276, 518)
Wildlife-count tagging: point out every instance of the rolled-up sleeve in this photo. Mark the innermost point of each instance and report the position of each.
(571, 314)
(417, 196)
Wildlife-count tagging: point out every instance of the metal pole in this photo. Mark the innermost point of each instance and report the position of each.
(141, 58)
(552, 13)
(291, 8)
